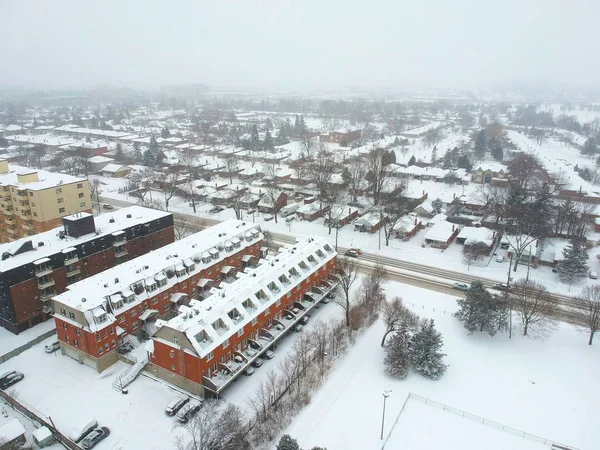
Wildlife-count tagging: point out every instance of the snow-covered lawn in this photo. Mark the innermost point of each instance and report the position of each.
(9, 341)
(546, 387)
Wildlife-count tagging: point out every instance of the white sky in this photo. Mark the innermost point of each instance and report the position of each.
(304, 43)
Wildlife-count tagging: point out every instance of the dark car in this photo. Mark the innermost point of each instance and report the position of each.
(351, 253)
(257, 362)
(304, 320)
(500, 286)
(10, 378)
(215, 210)
(94, 437)
(107, 206)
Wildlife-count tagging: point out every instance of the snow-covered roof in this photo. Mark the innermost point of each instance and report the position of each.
(234, 305)
(99, 159)
(92, 292)
(370, 219)
(440, 232)
(53, 244)
(491, 166)
(112, 168)
(45, 179)
(11, 431)
(474, 235)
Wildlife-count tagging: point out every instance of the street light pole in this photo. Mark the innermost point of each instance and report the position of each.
(508, 299)
(385, 394)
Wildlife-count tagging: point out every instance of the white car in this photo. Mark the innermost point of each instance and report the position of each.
(593, 275)
(52, 347)
(460, 286)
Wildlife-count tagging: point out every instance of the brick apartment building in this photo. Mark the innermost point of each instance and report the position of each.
(32, 201)
(343, 136)
(33, 269)
(94, 316)
(210, 343)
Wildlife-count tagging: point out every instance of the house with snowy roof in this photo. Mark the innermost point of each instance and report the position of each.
(408, 226)
(209, 344)
(370, 222)
(486, 172)
(441, 234)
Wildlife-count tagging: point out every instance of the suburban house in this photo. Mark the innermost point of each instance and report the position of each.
(486, 173)
(341, 136)
(265, 205)
(441, 234)
(210, 343)
(115, 170)
(12, 435)
(343, 215)
(424, 209)
(370, 222)
(476, 235)
(97, 163)
(96, 315)
(312, 211)
(408, 226)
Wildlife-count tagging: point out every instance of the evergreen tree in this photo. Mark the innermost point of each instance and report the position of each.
(94, 122)
(574, 266)
(268, 144)
(148, 159)
(287, 443)
(388, 158)
(346, 175)
(543, 208)
(481, 311)
(254, 140)
(137, 153)
(434, 155)
(268, 124)
(425, 354)
(480, 144)
(437, 206)
(119, 150)
(397, 354)
(412, 160)
(497, 151)
(463, 163)
(165, 133)
(296, 126)
(590, 148)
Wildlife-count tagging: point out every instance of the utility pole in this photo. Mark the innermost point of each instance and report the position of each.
(507, 297)
(385, 394)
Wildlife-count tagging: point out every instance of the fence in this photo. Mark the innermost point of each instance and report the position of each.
(27, 346)
(506, 428)
(38, 418)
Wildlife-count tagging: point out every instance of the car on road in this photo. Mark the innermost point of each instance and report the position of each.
(304, 320)
(330, 295)
(10, 378)
(257, 362)
(351, 253)
(108, 206)
(175, 405)
(290, 219)
(298, 328)
(460, 286)
(593, 274)
(187, 411)
(268, 354)
(52, 347)
(251, 211)
(216, 209)
(500, 286)
(248, 371)
(267, 218)
(94, 437)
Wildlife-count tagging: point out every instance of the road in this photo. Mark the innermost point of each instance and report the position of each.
(420, 275)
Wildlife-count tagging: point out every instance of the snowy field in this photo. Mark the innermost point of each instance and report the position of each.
(543, 387)
(9, 341)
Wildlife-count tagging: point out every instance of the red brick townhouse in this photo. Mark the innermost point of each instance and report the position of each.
(210, 343)
(94, 316)
(35, 268)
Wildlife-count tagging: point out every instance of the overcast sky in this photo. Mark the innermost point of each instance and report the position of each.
(302, 44)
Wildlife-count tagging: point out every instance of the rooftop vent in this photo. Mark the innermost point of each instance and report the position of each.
(196, 312)
(5, 255)
(129, 216)
(111, 220)
(83, 300)
(105, 284)
(116, 280)
(40, 244)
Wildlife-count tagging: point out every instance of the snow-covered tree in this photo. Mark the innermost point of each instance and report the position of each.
(574, 266)
(254, 140)
(481, 311)
(287, 443)
(480, 146)
(412, 161)
(268, 144)
(397, 358)
(436, 206)
(425, 354)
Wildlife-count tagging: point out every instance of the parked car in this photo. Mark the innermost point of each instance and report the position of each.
(82, 431)
(500, 258)
(290, 219)
(304, 320)
(107, 206)
(94, 437)
(298, 328)
(175, 405)
(187, 411)
(460, 286)
(356, 250)
(268, 354)
(248, 371)
(257, 362)
(10, 378)
(267, 218)
(351, 253)
(251, 211)
(500, 286)
(331, 295)
(52, 347)
(593, 275)
(216, 209)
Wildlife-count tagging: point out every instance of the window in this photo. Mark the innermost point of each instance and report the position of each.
(68, 340)
(63, 311)
(172, 354)
(30, 194)
(240, 331)
(172, 366)
(58, 190)
(112, 330)
(135, 325)
(60, 200)
(121, 319)
(32, 205)
(184, 285)
(133, 312)
(65, 326)
(61, 210)
(82, 204)
(104, 334)
(77, 331)
(34, 214)
(79, 185)
(107, 347)
(76, 342)
(175, 340)
(166, 307)
(98, 337)
(210, 356)
(165, 295)
(80, 195)
(113, 343)
(225, 343)
(254, 321)
(155, 300)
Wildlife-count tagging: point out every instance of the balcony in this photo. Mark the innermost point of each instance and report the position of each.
(120, 252)
(120, 238)
(45, 284)
(43, 270)
(73, 271)
(47, 307)
(71, 259)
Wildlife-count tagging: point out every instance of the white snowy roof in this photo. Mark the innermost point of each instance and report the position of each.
(114, 168)
(241, 298)
(473, 235)
(41, 434)
(11, 431)
(370, 219)
(99, 159)
(441, 231)
(46, 179)
(97, 289)
(53, 244)
(493, 166)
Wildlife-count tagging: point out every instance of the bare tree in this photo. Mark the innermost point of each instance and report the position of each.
(376, 173)
(188, 160)
(494, 199)
(273, 193)
(95, 191)
(185, 227)
(475, 252)
(321, 169)
(336, 200)
(533, 304)
(395, 206)
(216, 426)
(394, 314)
(371, 294)
(170, 186)
(231, 163)
(356, 172)
(347, 271)
(587, 312)
(525, 171)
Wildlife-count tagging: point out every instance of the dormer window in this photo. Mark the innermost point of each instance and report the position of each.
(202, 337)
(320, 254)
(273, 287)
(328, 248)
(101, 318)
(219, 325)
(303, 265)
(214, 253)
(260, 294)
(234, 315)
(293, 272)
(248, 305)
(283, 279)
(311, 259)
(180, 270)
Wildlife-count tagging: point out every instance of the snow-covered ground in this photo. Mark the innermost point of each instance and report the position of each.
(9, 341)
(543, 387)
